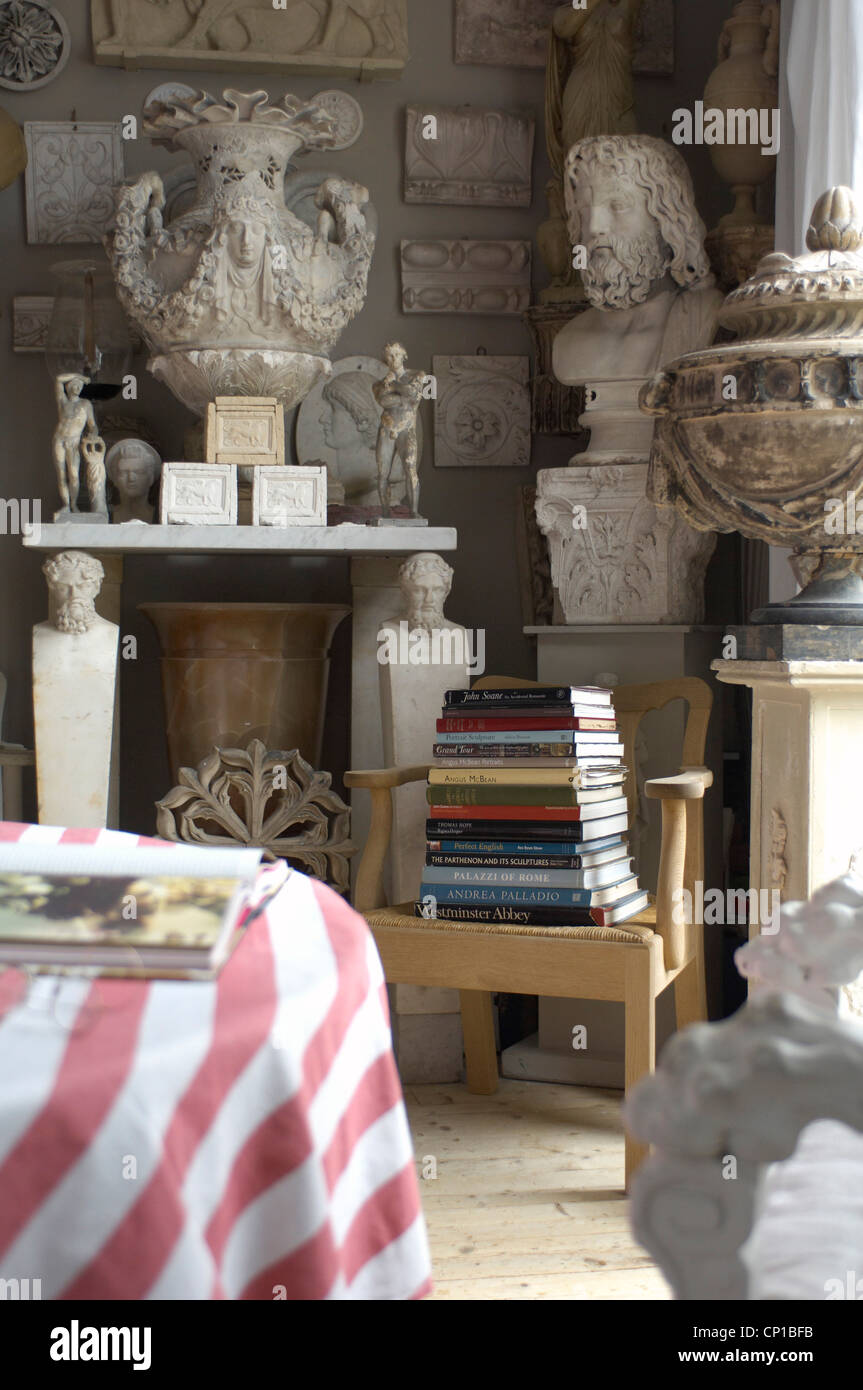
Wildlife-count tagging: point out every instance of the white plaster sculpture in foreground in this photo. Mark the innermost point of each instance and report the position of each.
(74, 692)
(398, 394)
(133, 466)
(77, 439)
(238, 295)
(428, 1023)
(631, 208)
(781, 1084)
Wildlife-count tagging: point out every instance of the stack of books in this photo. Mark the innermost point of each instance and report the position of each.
(527, 813)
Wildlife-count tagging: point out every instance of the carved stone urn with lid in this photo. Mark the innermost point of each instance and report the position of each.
(764, 435)
(238, 295)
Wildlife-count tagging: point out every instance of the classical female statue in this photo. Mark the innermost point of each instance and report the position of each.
(588, 91)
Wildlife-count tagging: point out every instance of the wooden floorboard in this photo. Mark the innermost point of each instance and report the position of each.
(523, 1194)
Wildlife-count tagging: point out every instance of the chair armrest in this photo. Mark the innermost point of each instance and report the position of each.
(681, 841)
(369, 891)
(689, 785)
(387, 777)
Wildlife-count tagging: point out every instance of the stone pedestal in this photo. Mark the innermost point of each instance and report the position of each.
(427, 1034)
(807, 770)
(614, 556)
(74, 696)
(577, 655)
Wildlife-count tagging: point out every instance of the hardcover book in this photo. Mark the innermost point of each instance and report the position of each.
(450, 724)
(522, 811)
(613, 915)
(562, 796)
(531, 695)
(480, 894)
(521, 829)
(528, 776)
(129, 919)
(576, 856)
(494, 876)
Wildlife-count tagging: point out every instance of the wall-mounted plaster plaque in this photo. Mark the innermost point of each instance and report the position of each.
(465, 155)
(71, 174)
(34, 44)
(482, 412)
(31, 314)
(198, 494)
(289, 496)
(362, 38)
(465, 277)
(514, 34)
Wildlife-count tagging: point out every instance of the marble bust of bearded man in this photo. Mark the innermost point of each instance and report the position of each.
(631, 206)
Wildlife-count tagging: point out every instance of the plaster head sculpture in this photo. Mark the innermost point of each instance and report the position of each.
(425, 581)
(133, 467)
(630, 205)
(349, 419)
(74, 580)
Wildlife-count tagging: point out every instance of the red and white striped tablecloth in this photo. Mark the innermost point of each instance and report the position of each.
(240, 1139)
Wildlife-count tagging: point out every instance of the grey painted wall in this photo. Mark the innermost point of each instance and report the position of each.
(481, 503)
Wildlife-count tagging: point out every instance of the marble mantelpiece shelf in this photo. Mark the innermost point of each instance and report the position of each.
(562, 630)
(136, 538)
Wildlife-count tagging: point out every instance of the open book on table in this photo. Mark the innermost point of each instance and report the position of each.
(150, 910)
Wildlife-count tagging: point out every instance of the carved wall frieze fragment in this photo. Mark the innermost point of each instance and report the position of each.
(289, 496)
(482, 412)
(31, 315)
(465, 277)
(198, 494)
(366, 39)
(468, 155)
(71, 173)
(245, 430)
(255, 796)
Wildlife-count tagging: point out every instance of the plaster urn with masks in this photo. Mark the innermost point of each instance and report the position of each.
(764, 435)
(237, 295)
(631, 212)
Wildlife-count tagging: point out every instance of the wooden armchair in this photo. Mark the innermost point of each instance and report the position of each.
(632, 963)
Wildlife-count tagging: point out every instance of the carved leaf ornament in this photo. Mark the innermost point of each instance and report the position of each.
(272, 799)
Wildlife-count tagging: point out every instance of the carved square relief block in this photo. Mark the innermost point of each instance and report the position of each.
(289, 496)
(31, 314)
(72, 171)
(365, 39)
(466, 155)
(514, 34)
(248, 431)
(198, 494)
(465, 277)
(482, 412)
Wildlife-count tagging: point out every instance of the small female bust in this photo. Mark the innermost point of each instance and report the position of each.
(133, 467)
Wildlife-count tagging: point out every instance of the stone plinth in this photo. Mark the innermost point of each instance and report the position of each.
(807, 770)
(614, 556)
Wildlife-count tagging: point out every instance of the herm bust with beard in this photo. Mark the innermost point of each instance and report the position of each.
(630, 204)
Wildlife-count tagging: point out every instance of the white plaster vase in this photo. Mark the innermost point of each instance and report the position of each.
(238, 295)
